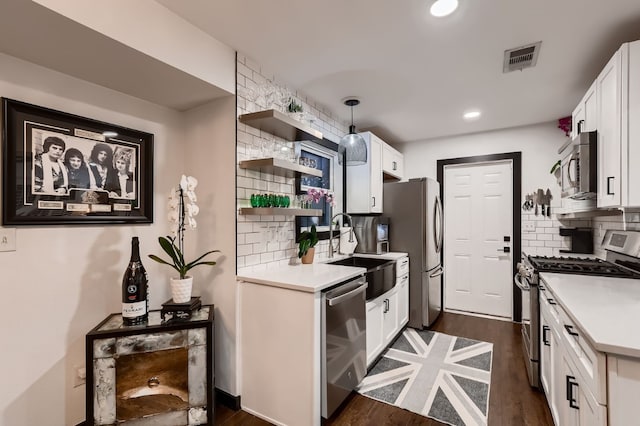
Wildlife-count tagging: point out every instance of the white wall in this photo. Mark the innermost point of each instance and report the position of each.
(62, 280)
(210, 151)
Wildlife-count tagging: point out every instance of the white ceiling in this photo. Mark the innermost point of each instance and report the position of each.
(416, 74)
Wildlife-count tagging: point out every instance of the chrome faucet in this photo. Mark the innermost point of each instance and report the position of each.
(331, 251)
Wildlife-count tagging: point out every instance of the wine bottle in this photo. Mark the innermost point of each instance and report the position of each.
(135, 306)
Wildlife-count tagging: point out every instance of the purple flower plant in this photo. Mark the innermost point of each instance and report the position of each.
(315, 195)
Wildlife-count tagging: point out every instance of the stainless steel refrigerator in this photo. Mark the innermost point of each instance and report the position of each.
(415, 217)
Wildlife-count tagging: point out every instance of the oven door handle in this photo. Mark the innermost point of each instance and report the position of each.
(517, 279)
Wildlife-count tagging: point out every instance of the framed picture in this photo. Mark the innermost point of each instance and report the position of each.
(62, 169)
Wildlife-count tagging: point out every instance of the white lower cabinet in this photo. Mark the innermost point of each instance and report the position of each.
(375, 318)
(403, 300)
(388, 314)
(569, 391)
(624, 388)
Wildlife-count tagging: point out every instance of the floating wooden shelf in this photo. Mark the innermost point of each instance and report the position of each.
(277, 166)
(279, 211)
(280, 124)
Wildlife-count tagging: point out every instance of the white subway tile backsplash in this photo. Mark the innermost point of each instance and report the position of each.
(245, 71)
(259, 247)
(545, 237)
(266, 257)
(254, 237)
(244, 249)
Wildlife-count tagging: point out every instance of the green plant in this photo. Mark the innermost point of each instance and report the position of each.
(181, 215)
(555, 167)
(294, 106)
(307, 240)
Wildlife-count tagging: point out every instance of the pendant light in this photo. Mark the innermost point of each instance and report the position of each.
(352, 148)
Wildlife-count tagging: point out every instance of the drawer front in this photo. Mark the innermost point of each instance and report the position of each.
(548, 301)
(590, 363)
(402, 267)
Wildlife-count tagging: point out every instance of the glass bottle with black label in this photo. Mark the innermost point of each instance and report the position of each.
(135, 307)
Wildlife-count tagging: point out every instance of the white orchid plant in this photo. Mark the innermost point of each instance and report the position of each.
(182, 212)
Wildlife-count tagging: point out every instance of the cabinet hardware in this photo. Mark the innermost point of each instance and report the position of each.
(571, 382)
(551, 302)
(374, 202)
(386, 306)
(505, 249)
(395, 165)
(569, 329)
(544, 335)
(609, 179)
(542, 288)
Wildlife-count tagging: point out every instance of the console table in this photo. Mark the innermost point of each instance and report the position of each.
(158, 373)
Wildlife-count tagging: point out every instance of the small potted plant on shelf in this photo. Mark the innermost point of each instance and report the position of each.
(306, 245)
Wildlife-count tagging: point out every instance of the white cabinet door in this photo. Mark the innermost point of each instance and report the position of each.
(392, 163)
(624, 388)
(585, 116)
(580, 407)
(375, 315)
(545, 353)
(609, 88)
(577, 119)
(403, 301)
(390, 321)
(364, 182)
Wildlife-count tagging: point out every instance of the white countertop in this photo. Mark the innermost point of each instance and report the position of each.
(313, 277)
(607, 310)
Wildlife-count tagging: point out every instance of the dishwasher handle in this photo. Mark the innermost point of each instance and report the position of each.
(346, 291)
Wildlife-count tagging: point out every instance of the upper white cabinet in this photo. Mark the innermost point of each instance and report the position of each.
(618, 94)
(392, 163)
(585, 116)
(364, 182)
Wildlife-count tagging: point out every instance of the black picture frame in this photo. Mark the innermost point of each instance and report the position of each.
(63, 169)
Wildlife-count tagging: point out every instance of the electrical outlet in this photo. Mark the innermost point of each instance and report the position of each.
(79, 376)
(7, 239)
(529, 227)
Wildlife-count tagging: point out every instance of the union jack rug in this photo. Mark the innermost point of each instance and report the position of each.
(436, 375)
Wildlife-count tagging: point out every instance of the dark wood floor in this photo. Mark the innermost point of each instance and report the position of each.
(512, 401)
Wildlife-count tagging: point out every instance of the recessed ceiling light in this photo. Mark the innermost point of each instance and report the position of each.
(443, 7)
(471, 115)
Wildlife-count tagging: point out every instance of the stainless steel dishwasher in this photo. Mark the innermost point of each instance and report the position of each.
(344, 351)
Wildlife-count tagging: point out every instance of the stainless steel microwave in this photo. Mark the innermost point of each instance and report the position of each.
(580, 167)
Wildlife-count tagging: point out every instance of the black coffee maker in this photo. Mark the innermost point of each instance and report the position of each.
(581, 239)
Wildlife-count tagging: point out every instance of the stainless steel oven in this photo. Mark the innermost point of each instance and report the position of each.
(527, 280)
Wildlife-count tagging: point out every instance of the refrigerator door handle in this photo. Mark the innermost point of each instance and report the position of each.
(437, 231)
(437, 273)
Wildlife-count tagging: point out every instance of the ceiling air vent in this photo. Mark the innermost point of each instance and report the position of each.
(521, 57)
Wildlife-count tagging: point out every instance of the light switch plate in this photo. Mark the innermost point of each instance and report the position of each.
(7, 239)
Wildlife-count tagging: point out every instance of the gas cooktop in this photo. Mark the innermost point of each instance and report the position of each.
(580, 265)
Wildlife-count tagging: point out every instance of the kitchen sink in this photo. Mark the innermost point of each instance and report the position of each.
(381, 273)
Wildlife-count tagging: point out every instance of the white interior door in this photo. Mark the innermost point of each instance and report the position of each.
(478, 215)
